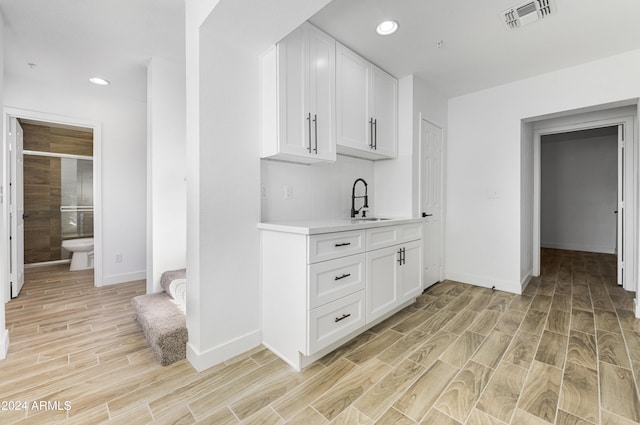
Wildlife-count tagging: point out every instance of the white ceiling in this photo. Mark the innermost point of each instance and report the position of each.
(71, 40)
(479, 51)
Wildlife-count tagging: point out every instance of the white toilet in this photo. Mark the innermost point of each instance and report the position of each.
(82, 253)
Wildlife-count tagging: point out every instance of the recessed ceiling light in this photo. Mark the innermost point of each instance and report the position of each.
(99, 81)
(387, 27)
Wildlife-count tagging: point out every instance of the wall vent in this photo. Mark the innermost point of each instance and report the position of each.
(527, 12)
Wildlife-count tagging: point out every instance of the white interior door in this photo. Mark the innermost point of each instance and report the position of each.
(16, 214)
(621, 211)
(431, 200)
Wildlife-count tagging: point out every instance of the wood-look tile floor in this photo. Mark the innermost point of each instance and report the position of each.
(567, 351)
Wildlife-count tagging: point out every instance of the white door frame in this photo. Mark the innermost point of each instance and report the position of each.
(10, 112)
(630, 198)
(442, 186)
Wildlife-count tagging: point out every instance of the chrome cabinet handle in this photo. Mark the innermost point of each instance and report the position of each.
(375, 134)
(344, 316)
(371, 133)
(309, 121)
(315, 124)
(342, 277)
(401, 256)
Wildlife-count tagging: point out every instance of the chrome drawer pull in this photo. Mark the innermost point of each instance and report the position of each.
(342, 277)
(343, 244)
(344, 316)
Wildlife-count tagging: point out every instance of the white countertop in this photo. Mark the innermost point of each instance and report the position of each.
(313, 227)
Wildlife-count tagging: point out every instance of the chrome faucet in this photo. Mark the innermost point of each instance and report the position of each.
(355, 211)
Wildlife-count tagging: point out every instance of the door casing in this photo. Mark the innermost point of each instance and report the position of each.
(630, 177)
(96, 126)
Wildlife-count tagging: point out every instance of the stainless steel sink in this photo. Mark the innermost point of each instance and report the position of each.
(368, 219)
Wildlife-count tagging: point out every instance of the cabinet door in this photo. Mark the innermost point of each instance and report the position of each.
(293, 129)
(320, 53)
(382, 281)
(411, 271)
(384, 103)
(353, 78)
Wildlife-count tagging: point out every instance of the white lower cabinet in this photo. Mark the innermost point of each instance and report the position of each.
(411, 281)
(320, 290)
(393, 277)
(331, 322)
(382, 288)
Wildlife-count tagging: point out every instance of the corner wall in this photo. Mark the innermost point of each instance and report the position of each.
(526, 204)
(397, 188)
(223, 168)
(485, 225)
(166, 170)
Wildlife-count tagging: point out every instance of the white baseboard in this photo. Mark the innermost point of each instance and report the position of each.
(578, 247)
(636, 304)
(125, 277)
(4, 344)
(486, 282)
(213, 356)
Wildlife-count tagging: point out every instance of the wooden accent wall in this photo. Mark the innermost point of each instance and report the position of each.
(42, 189)
(42, 226)
(58, 140)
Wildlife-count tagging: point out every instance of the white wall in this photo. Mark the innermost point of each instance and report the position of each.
(166, 170)
(397, 181)
(4, 219)
(579, 192)
(319, 191)
(223, 168)
(526, 203)
(485, 154)
(430, 105)
(394, 185)
(123, 165)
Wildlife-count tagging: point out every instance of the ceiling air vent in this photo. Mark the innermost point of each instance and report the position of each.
(526, 13)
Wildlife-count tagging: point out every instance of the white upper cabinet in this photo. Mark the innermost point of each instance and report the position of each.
(298, 121)
(384, 101)
(366, 107)
(353, 79)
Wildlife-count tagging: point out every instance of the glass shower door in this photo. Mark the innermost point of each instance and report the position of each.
(76, 206)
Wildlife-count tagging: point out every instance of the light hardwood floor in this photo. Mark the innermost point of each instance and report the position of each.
(567, 351)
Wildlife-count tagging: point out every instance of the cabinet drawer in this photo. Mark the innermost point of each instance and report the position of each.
(330, 280)
(330, 322)
(328, 246)
(381, 237)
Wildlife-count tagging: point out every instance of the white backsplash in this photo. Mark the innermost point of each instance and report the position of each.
(316, 191)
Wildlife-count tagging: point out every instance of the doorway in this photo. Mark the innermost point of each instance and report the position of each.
(58, 189)
(13, 179)
(619, 214)
(579, 191)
